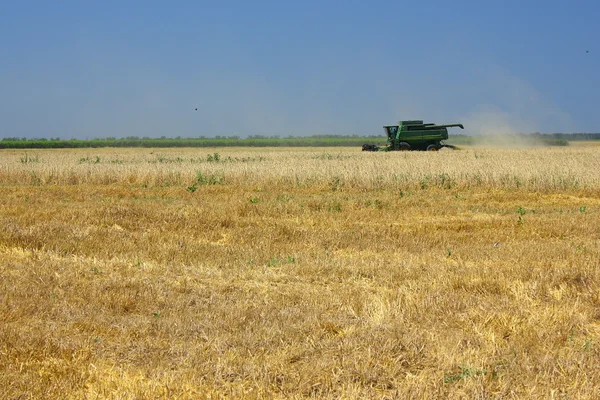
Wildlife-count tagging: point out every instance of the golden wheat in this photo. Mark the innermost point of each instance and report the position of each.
(287, 273)
(576, 168)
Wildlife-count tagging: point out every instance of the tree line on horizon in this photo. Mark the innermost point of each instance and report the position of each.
(552, 139)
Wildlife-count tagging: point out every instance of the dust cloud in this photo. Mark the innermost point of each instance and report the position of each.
(492, 127)
(506, 109)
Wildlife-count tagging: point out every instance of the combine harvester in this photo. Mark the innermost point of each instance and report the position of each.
(414, 135)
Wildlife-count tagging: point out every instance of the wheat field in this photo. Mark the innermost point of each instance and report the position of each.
(293, 273)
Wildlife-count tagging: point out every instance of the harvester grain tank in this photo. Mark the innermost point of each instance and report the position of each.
(414, 135)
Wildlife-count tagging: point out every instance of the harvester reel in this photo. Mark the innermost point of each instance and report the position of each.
(370, 147)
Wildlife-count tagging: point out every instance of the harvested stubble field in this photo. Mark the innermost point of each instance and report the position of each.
(288, 273)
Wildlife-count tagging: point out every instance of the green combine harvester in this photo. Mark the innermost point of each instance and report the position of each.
(414, 135)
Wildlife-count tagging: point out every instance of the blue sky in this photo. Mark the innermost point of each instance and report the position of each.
(76, 69)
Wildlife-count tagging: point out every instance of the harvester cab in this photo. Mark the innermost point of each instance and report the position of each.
(414, 135)
(391, 131)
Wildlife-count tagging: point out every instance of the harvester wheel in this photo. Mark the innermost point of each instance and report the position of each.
(432, 147)
(404, 146)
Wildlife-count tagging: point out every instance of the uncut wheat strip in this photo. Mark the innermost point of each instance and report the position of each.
(539, 168)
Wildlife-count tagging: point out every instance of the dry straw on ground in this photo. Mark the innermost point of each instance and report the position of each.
(287, 273)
